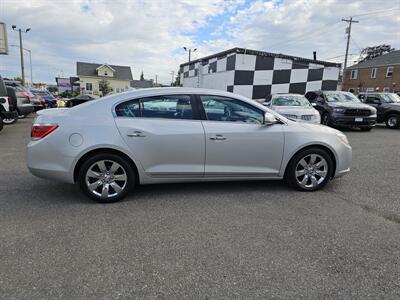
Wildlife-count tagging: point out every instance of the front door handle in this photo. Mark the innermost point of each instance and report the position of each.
(218, 137)
(136, 134)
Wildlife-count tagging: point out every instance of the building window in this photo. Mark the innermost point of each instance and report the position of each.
(370, 90)
(117, 90)
(386, 89)
(89, 86)
(353, 74)
(105, 73)
(373, 73)
(389, 71)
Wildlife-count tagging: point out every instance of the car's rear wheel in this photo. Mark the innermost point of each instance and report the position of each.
(106, 178)
(393, 121)
(310, 169)
(1, 123)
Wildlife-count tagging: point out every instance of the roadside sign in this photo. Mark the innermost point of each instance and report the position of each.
(3, 39)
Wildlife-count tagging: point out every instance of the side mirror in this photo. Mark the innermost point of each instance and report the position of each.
(269, 119)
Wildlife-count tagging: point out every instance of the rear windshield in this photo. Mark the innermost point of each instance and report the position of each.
(289, 100)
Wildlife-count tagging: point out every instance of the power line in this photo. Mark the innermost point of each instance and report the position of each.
(376, 12)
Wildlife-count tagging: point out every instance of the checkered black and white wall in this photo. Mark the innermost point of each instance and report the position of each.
(256, 76)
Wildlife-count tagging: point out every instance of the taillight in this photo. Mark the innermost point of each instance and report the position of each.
(39, 131)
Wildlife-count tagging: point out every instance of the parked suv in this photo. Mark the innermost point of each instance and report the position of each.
(343, 109)
(8, 108)
(387, 106)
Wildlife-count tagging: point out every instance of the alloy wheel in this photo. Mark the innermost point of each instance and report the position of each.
(311, 171)
(106, 179)
(8, 121)
(392, 121)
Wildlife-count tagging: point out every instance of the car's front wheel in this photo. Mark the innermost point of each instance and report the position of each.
(310, 169)
(106, 178)
(325, 119)
(393, 121)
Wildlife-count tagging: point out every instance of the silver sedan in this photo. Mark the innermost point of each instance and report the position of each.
(110, 145)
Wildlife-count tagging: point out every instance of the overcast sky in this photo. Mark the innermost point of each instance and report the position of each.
(149, 35)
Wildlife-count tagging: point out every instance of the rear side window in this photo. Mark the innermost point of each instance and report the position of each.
(166, 107)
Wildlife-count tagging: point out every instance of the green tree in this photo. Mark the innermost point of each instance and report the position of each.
(104, 87)
(177, 79)
(52, 89)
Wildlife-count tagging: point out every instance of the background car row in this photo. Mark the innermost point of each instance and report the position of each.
(339, 109)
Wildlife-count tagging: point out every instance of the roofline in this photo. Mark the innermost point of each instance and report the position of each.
(374, 66)
(262, 53)
(105, 65)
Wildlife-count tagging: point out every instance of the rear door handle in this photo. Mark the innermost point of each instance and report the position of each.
(136, 134)
(218, 137)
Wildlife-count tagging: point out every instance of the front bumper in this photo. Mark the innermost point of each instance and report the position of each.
(353, 121)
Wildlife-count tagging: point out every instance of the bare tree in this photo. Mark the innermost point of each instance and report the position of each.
(375, 51)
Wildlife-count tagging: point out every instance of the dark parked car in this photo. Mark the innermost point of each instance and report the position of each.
(387, 106)
(8, 106)
(342, 109)
(49, 99)
(79, 100)
(24, 106)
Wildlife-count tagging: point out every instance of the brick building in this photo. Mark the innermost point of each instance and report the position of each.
(380, 74)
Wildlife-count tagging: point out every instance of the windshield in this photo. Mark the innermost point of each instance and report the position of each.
(390, 98)
(341, 97)
(289, 100)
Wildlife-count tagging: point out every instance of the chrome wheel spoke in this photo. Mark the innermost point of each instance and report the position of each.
(305, 180)
(93, 186)
(102, 166)
(303, 163)
(300, 172)
(120, 177)
(93, 174)
(313, 158)
(321, 173)
(114, 168)
(314, 181)
(104, 191)
(116, 187)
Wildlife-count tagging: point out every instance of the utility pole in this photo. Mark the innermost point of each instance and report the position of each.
(156, 79)
(21, 50)
(348, 31)
(173, 76)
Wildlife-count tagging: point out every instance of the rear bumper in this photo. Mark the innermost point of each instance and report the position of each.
(25, 109)
(9, 114)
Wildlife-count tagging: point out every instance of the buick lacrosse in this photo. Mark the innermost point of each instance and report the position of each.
(110, 145)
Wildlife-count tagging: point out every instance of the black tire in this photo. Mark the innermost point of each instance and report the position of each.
(1, 123)
(108, 157)
(290, 173)
(366, 128)
(325, 120)
(393, 121)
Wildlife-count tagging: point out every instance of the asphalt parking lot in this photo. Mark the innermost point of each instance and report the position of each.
(205, 240)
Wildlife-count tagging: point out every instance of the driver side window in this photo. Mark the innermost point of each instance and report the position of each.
(225, 109)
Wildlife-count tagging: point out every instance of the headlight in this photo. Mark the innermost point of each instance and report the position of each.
(343, 138)
(339, 110)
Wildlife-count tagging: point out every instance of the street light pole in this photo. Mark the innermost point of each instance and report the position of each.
(190, 51)
(30, 60)
(21, 51)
